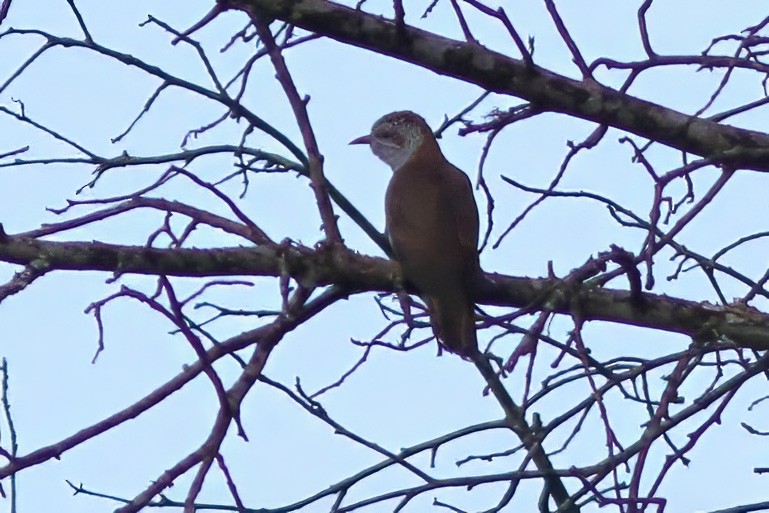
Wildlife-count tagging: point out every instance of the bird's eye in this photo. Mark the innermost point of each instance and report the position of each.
(389, 137)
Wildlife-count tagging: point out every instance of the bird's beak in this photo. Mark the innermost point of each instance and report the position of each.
(365, 139)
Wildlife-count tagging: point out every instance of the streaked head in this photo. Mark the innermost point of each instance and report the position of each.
(395, 136)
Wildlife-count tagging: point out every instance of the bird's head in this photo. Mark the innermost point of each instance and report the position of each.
(396, 136)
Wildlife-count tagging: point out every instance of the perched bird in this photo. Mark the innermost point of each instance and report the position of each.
(432, 225)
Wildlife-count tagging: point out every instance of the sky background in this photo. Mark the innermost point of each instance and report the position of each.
(396, 399)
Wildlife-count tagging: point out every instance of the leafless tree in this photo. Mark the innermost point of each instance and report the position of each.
(689, 160)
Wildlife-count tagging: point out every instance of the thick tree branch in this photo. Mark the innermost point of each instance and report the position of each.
(353, 273)
(495, 72)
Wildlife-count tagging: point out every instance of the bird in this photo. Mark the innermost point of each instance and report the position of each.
(432, 224)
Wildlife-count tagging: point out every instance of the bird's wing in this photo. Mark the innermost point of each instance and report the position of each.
(461, 203)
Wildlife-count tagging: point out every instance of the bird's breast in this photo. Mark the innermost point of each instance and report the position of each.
(421, 229)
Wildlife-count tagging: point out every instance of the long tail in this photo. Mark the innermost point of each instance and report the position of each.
(453, 320)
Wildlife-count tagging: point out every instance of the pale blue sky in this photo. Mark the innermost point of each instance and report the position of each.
(395, 400)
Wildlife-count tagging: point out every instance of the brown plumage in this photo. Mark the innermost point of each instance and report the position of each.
(432, 225)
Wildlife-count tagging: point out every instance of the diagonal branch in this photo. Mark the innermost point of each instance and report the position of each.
(501, 74)
(516, 419)
(23, 279)
(299, 106)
